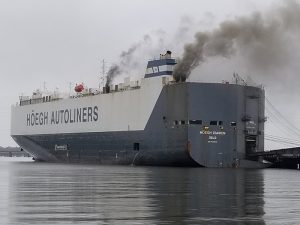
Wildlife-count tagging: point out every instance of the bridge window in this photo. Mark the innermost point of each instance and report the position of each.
(213, 122)
(195, 122)
(149, 71)
(233, 124)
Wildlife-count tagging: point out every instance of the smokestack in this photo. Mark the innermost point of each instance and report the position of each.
(107, 89)
(168, 54)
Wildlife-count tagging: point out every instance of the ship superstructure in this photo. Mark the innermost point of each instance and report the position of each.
(153, 121)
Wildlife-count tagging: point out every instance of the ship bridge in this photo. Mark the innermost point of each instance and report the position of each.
(161, 67)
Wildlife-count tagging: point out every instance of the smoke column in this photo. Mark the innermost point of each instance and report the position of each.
(113, 71)
(261, 39)
(125, 60)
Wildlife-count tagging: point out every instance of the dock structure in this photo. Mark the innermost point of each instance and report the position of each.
(282, 158)
(13, 152)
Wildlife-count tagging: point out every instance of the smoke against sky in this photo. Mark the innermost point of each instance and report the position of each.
(264, 41)
(155, 42)
(261, 39)
(127, 60)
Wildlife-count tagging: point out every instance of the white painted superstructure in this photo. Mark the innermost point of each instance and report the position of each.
(115, 111)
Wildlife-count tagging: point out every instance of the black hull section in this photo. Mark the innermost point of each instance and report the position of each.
(127, 148)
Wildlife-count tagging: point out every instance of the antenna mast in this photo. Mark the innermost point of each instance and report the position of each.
(103, 68)
(70, 88)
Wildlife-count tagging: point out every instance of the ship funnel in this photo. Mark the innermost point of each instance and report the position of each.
(161, 67)
(166, 56)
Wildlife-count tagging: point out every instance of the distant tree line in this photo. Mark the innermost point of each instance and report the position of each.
(12, 151)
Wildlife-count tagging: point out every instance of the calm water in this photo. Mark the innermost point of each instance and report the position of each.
(41, 193)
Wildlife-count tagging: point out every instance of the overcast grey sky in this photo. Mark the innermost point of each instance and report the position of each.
(63, 41)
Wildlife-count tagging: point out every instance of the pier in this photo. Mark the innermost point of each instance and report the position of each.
(13, 152)
(282, 158)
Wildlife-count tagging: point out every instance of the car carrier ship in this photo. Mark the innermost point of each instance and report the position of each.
(153, 121)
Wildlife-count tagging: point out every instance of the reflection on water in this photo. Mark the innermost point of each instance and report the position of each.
(187, 196)
(40, 193)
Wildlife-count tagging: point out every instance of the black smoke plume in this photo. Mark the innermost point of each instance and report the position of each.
(112, 72)
(126, 58)
(261, 39)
